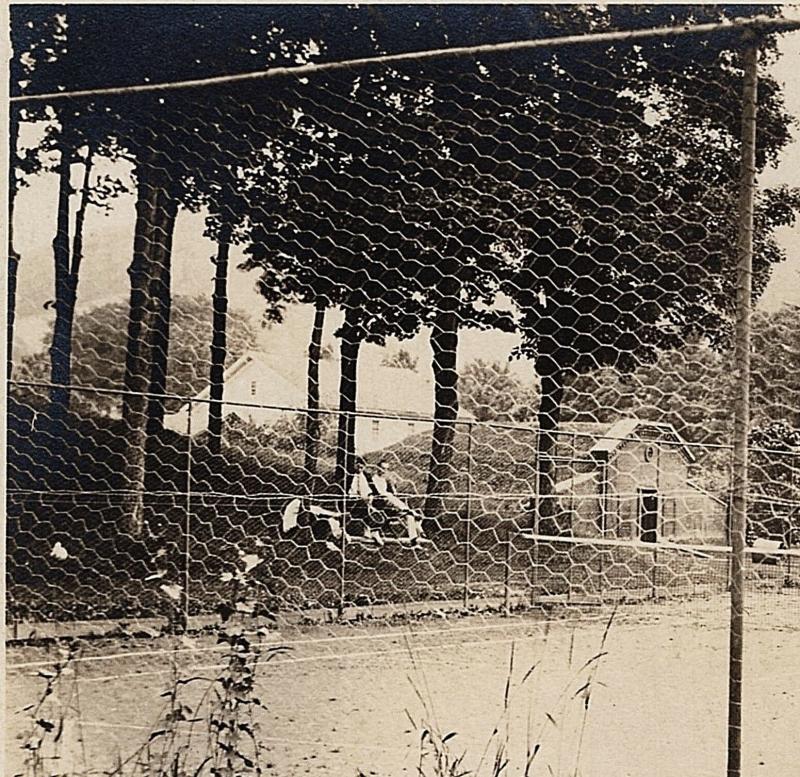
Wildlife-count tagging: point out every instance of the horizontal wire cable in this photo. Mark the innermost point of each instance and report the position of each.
(761, 24)
(419, 632)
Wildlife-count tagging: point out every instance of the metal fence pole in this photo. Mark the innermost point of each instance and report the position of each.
(536, 509)
(603, 522)
(468, 533)
(791, 534)
(187, 527)
(344, 512)
(742, 417)
(788, 533)
(507, 575)
(654, 576)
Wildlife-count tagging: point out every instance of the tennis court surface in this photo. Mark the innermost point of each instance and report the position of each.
(342, 698)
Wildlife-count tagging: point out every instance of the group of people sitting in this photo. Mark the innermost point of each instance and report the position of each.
(373, 509)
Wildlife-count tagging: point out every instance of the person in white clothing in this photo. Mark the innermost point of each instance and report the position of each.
(387, 501)
(362, 519)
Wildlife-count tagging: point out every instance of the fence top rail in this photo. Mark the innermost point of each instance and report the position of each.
(701, 550)
(760, 24)
(468, 423)
(331, 496)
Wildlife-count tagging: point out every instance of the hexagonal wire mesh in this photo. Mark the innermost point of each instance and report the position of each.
(412, 221)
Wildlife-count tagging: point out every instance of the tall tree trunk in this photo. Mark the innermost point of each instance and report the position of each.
(67, 275)
(13, 256)
(348, 397)
(441, 472)
(161, 297)
(60, 355)
(313, 420)
(550, 404)
(219, 340)
(155, 208)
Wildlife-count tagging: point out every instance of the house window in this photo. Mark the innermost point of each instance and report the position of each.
(411, 426)
(253, 387)
(376, 426)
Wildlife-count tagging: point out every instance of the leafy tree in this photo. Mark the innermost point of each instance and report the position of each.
(168, 139)
(401, 359)
(41, 43)
(99, 342)
(553, 203)
(491, 392)
(36, 46)
(631, 253)
(313, 420)
(219, 341)
(775, 483)
(329, 273)
(550, 221)
(76, 120)
(383, 147)
(95, 190)
(288, 434)
(690, 388)
(693, 388)
(292, 273)
(318, 248)
(474, 197)
(775, 367)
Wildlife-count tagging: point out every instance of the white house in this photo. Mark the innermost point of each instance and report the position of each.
(393, 403)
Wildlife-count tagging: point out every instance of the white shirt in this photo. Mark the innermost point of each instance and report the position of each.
(360, 487)
(381, 484)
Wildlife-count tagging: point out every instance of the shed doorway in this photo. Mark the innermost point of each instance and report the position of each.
(648, 515)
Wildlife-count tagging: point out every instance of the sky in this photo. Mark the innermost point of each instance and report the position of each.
(109, 241)
(785, 283)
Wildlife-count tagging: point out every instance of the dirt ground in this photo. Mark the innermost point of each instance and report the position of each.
(340, 700)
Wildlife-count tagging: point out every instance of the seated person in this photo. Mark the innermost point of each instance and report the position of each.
(362, 519)
(322, 521)
(373, 502)
(385, 499)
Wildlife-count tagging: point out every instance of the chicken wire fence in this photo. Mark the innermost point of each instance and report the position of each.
(208, 514)
(579, 200)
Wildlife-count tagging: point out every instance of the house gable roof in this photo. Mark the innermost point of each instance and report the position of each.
(233, 370)
(381, 389)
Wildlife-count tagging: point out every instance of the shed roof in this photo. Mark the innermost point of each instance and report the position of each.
(627, 429)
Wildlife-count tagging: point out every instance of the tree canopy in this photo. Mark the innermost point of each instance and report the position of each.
(557, 200)
(491, 392)
(582, 195)
(693, 387)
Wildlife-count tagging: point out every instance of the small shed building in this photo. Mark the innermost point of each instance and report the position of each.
(633, 481)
